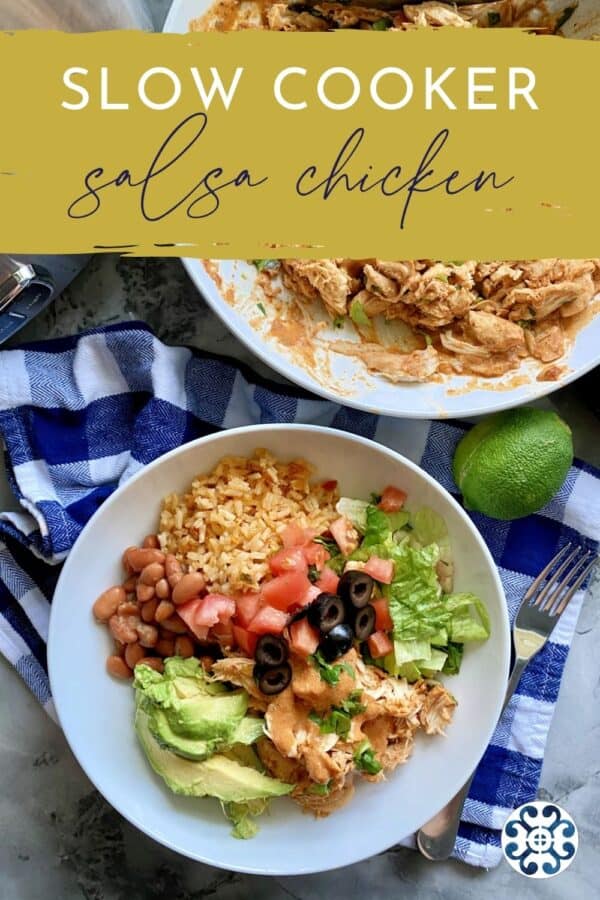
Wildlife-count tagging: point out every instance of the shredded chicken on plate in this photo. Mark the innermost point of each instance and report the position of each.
(472, 317)
(326, 15)
(465, 318)
(296, 751)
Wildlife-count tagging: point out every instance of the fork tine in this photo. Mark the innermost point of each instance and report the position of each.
(553, 596)
(540, 600)
(566, 599)
(535, 584)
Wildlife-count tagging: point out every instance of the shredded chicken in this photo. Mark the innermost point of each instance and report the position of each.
(468, 317)
(321, 764)
(327, 15)
(472, 318)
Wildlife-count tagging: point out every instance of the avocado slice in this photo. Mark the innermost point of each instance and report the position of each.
(184, 702)
(208, 718)
(248, 731)
(218, 776)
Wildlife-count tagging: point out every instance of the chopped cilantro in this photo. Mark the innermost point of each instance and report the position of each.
(313, 574)
(261, 306)
(321, 790)
(330, 673)
(337, 563)
(364, 759)
(328, 543)
(358, 314)
(265, 264)
(381, 25)
(351, 704)
(338, 322)
(339, 719)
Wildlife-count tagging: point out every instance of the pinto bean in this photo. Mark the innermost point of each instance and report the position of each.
(153, 661)
(148, 610)
(148, 634)
(151, 542)
(174, 624)
(133, 654)
(129, 608)
(173, 569)
(117, 667)
(140, 557)
(152, 573)
(162, 589)
(189, 587)
(165, 647)
(184, 646)
(164, 610)
(108, 602)
(144, 592)
(123, 628)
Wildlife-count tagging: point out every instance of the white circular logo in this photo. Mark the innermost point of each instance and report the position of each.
(540, 839)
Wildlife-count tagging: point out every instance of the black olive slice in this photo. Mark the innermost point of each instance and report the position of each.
(271, 650)
(337, 642)
(364, 622)
(273, 679)
(325, 612)
(356, 588)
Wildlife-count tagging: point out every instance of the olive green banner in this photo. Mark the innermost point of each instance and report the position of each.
(453, 143)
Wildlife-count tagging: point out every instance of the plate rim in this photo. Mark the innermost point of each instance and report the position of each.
(54, 640)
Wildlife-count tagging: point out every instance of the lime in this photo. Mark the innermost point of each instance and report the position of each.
(512, 463)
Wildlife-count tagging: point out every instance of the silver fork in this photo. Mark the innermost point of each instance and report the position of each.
(543, 604)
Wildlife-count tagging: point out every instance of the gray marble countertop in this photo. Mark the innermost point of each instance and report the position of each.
(61, 840)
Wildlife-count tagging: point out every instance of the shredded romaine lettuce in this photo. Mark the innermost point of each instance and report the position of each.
(429, 626)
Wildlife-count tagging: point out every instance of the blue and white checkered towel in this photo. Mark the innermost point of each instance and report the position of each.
(80, 415)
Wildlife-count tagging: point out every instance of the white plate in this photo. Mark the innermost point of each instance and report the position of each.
(96, 712)
(345, 380)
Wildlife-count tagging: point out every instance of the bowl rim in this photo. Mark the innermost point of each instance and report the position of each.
(120, 804)
(274, 358)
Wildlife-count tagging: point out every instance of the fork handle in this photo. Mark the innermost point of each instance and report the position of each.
(436, 839)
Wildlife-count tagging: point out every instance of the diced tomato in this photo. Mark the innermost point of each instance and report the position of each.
(268, 621)
(345, 535)
(311, 594)
(380, 569)
(202, 613)
(392, 499)
(379, 644)
(285, 590)
(383, 620)
(304, 639)
(328, 582)
(329, 485)
(290, 559)
(316, 555)
(214, 608)
(246, 607)
(295, 536)
(245, 640)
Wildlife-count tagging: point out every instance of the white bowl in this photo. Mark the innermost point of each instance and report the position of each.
(96, 712)
(346, 380)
